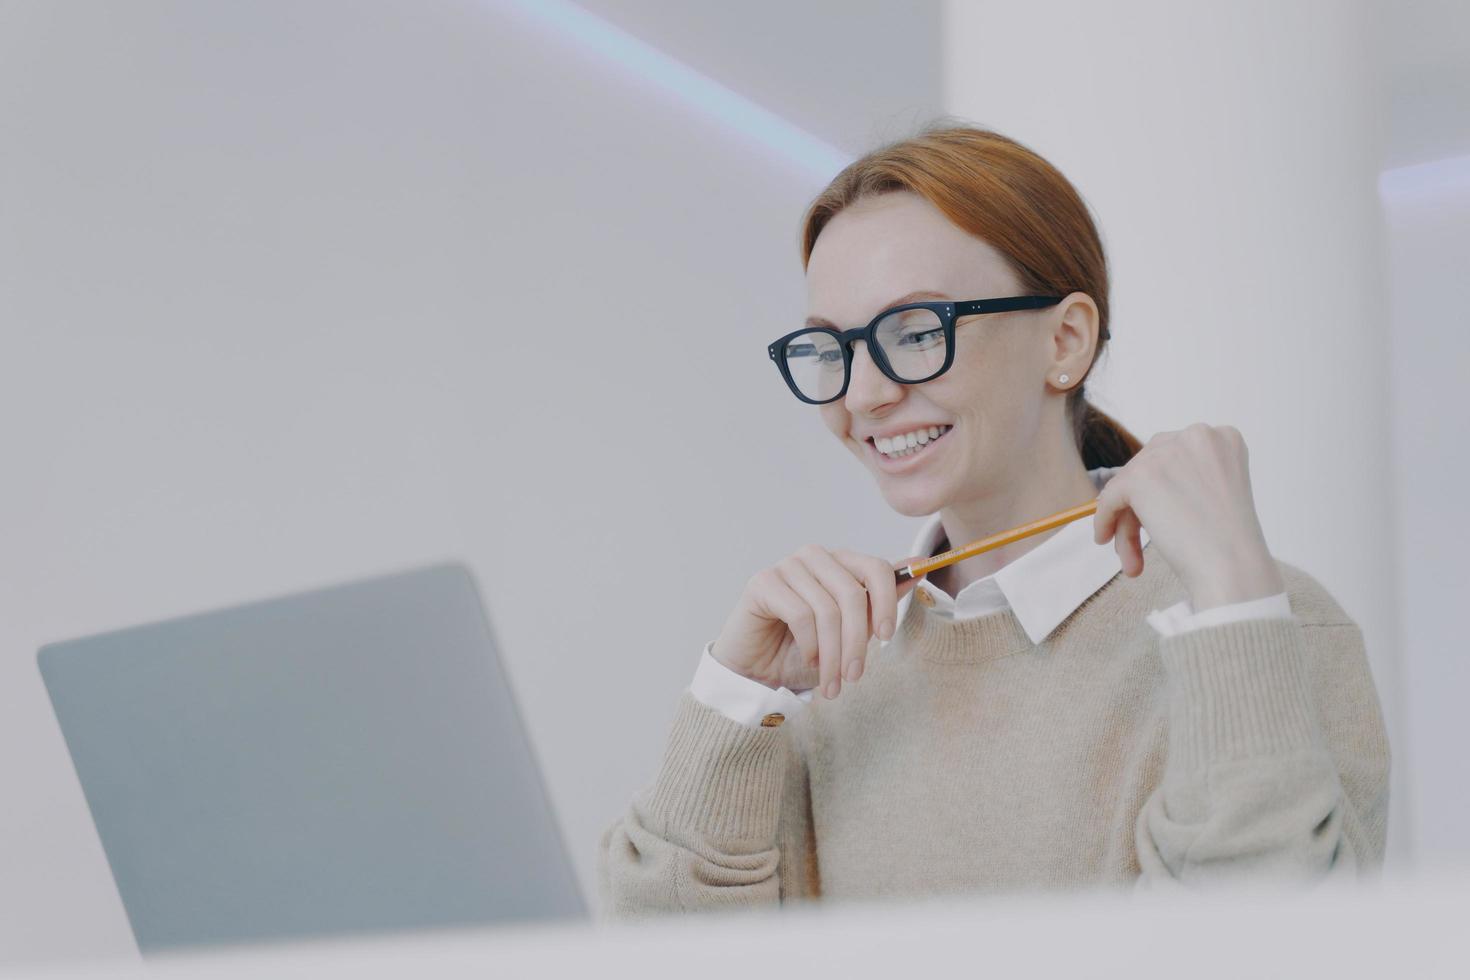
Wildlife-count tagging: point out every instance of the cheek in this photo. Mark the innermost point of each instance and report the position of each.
(984, 381)
(973, 384)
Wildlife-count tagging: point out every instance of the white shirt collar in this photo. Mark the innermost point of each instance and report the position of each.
(1043, 586)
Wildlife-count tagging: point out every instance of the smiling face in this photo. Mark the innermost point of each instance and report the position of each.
(1007, 425)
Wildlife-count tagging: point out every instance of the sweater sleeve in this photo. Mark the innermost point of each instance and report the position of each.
(726, 823)
(1277, 760)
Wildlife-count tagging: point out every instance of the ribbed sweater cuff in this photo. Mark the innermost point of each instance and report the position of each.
(1238, 690)
(719, 777)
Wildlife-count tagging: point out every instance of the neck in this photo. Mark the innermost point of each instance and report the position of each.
(1046, 488)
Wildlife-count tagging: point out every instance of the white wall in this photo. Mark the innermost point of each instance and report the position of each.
(1426, 203)
(1428, 210)
(1230, 153)
(275, 281)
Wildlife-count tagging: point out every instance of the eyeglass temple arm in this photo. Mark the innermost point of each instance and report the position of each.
(1005, 305)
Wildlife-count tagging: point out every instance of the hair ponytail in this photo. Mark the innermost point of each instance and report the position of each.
(1000, 191)
(1100, 439)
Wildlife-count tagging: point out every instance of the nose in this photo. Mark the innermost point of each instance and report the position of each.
(868, 388)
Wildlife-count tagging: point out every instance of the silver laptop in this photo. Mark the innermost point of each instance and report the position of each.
(345, 760)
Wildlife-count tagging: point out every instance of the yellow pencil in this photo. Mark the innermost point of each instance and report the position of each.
(918, 569)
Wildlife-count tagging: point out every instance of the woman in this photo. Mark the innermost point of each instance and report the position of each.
(1035, 719)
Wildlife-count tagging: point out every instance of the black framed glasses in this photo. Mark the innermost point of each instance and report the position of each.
(911, 344)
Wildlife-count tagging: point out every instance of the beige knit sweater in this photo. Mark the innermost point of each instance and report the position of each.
(968, 759)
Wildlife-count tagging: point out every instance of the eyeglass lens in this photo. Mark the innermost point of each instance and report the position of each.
(912, 340)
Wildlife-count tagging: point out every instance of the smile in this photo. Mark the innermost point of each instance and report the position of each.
(905, 457)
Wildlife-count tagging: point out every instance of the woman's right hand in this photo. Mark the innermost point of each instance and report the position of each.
(806, 621)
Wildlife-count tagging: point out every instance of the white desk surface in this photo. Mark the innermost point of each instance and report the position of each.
(1393, 929)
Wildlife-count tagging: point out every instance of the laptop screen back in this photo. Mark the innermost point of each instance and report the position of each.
(344, 760)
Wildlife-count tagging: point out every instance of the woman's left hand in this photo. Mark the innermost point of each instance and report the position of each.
(1192, 490)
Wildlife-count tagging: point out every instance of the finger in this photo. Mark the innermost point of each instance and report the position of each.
(828, 617)
(852, 600)
(793, 610)
(1130, 551)
(1109, 503)
(1135, 536)
(877, 576)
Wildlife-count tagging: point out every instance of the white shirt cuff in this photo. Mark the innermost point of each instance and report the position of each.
(739, 698)
(1181, 618)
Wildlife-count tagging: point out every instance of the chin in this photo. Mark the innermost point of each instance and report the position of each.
(913, 505)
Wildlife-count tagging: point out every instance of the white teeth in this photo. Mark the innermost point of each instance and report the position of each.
(909, 443)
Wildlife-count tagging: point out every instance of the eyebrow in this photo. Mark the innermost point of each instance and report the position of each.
(816, 321)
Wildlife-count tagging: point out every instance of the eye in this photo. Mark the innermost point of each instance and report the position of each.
(919, 338)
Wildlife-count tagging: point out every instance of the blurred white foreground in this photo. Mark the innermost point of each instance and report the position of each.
(1394, 929)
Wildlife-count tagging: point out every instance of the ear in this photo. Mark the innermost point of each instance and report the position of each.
(1073, 342)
